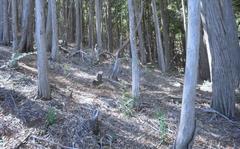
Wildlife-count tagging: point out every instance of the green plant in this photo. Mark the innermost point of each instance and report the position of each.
(126, 104)
(162, 123)
(51, 116)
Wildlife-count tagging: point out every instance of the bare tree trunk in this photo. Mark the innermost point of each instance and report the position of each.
(220, 25)
(54, 31)
(90, 26)
(204, 71)
(14, 24)
(109, 26)
(165, 28)
(26, 23)
(135, 65)
(160, 53)
(98, 11)
(6, 37)
(140, 34)
(49, 27)
(78, 24)
(184, 15)
(1, 21)
(43, 86)
(187, 126)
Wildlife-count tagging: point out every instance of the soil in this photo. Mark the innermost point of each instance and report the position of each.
(65, 120)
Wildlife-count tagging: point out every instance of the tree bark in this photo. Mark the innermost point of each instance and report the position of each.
(160, 53)
(135, 65)
(78, 24)
(98, 27)
(26, 28)
(14, 24)
(43, 86)
(90, 25)
(49, 27)
(54, 31)
(187, 125)
(219, 23)
(1, 21)
(109, 26)
(6, 37)
(165, 28)
(139, 10)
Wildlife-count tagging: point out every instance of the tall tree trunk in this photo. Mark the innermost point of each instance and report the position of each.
(14, 24)
(98, 11)
(1, 21)
(49, 27)
(6, 37)
(165, 28)
(109, 26)
(187, 125)
(78, 23)
(184, 15)
(204, 71)
(220, 25)
(54, 31)
(26, 24)
(43, 86)
(160, 53)
(139, 10)
(135, 65)
(90, 25)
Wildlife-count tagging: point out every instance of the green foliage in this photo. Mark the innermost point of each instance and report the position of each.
(51, 116)
(126, 104)
(161, 123)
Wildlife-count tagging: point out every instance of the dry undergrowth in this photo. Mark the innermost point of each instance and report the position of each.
(63, 121)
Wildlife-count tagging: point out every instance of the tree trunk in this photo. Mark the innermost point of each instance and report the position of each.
(204, 71)
(54, 31)
(184, 15)
(160, 53)
(90, 25)
(220, 25)
(43, 86)
(26, 25)
(1, 21)
(139, 10)
(109, 26)
(98, 27)
(187, 125)
(6, 38)
(165, 28)
(78, 24)
(14, 24)
(49, 27)
(135, 65)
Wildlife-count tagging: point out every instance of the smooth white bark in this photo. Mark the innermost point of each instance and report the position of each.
(187, 121)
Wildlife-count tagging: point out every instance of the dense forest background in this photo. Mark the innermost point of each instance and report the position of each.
(119, 74)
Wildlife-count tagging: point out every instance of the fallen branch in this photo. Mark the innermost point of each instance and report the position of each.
(51, 142)
(210, 110)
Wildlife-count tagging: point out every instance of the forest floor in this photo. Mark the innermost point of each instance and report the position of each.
(28, 122)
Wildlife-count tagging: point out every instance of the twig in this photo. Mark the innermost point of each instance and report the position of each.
(53, 143)
(210, 110)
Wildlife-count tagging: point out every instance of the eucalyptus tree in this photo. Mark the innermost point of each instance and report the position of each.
(220, 26)
(187, 124)
(160, 54)
(135, 63)
(43, 85)
(54, 30)
(6, 37)
(98, 11)
(14, 24)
